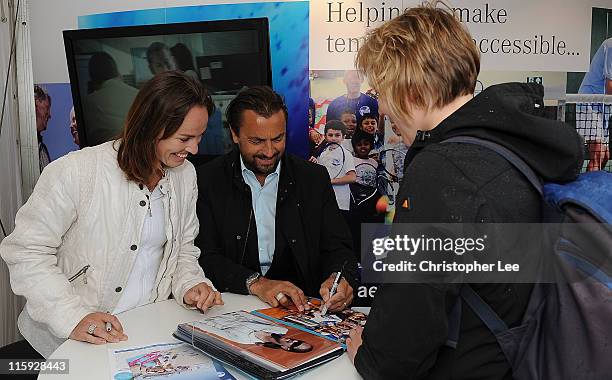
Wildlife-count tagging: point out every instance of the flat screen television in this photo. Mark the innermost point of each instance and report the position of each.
(107, 66)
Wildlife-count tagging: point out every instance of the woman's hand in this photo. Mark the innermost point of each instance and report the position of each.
(202, 296)
(92, 329)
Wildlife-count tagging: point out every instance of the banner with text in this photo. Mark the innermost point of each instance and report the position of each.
(552, 35)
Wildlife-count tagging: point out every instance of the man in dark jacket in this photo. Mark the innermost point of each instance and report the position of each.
(426, 80)
(269, 221)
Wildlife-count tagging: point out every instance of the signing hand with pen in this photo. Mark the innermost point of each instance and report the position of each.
(202, 297)
(341, 299)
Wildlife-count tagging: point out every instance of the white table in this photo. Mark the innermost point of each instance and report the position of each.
(155, 323)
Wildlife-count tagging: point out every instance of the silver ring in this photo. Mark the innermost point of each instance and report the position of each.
(279, 296)
(344, 303)
(91, 329)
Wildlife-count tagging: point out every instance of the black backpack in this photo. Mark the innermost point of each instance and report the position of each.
(566, 331)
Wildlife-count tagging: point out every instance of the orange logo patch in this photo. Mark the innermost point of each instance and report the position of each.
(407, 204)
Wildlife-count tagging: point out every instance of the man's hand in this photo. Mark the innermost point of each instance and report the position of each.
(277, 293)
(202, 296)
(353, 342)
(92, 329)
(341, 299)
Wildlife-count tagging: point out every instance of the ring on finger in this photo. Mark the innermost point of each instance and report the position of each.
(91, 329)
(279, 296)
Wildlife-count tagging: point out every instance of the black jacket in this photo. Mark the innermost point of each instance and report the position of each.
(312, 238)
(453, 182)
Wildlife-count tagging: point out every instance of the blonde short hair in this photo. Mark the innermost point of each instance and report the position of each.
(424, 58)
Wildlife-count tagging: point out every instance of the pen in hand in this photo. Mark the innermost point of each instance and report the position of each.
(333, 289)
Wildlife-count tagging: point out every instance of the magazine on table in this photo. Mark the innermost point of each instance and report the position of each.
(259, 346)
(334, 326)
(171, 360)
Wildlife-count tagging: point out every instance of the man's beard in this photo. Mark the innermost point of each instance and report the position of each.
(252, 165)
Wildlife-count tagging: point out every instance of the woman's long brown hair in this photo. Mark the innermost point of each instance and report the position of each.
(156, 113)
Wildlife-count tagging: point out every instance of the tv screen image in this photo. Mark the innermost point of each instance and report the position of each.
(108, 66)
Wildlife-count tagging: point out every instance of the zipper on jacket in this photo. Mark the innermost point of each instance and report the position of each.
(422, 135)
(82, 272)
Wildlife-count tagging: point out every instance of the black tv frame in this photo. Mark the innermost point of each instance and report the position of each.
(71, 36)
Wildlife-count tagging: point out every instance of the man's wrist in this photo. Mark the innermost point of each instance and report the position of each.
(252, 279)
(256, 287)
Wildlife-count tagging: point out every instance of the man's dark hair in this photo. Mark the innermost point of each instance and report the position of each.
(260, 99)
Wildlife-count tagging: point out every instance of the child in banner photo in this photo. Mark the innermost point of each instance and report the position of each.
(338, 162)
(349, 120)
(369, 124)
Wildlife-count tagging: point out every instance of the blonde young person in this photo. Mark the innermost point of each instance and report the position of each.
(424, 65)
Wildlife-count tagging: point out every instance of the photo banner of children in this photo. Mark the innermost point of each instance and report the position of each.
(361, 149)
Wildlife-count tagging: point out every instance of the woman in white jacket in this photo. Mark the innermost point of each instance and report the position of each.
(111, 227)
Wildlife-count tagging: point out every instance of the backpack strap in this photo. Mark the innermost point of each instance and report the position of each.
(482, 310)
(454, 325)
(506, 153)
(489, 317)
